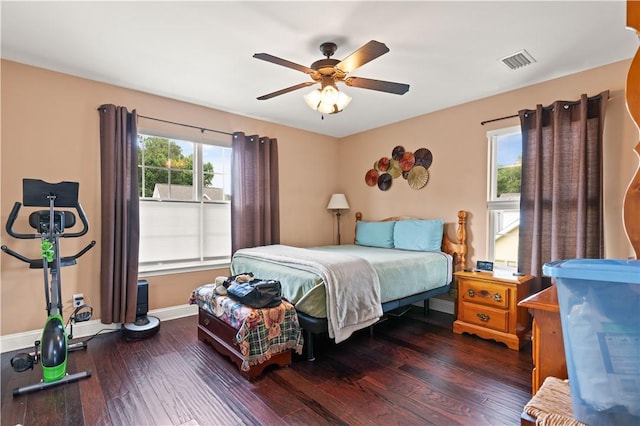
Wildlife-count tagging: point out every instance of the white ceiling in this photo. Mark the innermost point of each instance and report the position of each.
(201, 52)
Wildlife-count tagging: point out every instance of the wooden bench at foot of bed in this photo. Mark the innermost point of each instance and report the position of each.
(221, 336)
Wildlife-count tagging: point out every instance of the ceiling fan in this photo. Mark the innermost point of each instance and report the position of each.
(328, 99)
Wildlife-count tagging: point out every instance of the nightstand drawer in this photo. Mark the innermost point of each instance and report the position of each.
(475, 291)
(485, 316)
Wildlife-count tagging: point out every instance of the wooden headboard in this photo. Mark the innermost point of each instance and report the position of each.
(457, 248)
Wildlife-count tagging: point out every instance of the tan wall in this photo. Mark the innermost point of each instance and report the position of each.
(50, 131)
(458, 175)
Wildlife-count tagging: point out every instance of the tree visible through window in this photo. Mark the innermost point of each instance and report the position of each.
(509, 178)
(165, 161)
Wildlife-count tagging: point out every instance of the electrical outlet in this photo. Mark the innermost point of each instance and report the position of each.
(78, 300)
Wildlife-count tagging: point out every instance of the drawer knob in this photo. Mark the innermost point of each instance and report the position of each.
(497, 297)
(484, 317)
(206, 321)
(471, 293)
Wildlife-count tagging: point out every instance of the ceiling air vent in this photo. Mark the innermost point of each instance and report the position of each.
(518, 60)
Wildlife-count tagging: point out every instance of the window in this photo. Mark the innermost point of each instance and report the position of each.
(185, 211)
(503, 205)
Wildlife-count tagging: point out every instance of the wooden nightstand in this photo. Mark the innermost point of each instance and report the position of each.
(547, 349)
(488, 307)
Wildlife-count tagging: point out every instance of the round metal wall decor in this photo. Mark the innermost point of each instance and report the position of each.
(394, 169)
(411, 166)
(383, 164)
(418, 177)
(384, 181)
(407, 161)
(397, 152)
(371, 178)
(423, 157)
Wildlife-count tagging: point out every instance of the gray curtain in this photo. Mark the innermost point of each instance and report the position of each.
(120, 232)
(255, 210)
(561, 194)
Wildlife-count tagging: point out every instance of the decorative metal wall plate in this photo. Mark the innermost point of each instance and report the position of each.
(412, 166)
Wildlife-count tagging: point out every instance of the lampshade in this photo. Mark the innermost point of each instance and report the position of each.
(338, 202)
(327, 100)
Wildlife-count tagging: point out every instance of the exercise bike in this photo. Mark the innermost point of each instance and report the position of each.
(53, 347)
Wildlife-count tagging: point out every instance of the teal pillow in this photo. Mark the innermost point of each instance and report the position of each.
(420, 235)
(375, 234)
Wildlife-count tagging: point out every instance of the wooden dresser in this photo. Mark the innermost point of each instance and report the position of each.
(547, 349)
(488, 307)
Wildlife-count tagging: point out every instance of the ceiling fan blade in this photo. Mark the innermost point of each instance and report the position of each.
(283, 62)
(287, 90)
(382, 86)
(366, 53)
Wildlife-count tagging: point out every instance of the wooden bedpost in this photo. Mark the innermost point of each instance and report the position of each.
(459, 248)
(358, 219)
(631, 209)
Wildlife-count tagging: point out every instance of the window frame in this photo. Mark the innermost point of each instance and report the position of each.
(494, 205)
(199, 143)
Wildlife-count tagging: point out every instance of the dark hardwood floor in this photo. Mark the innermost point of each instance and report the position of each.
(412, 371)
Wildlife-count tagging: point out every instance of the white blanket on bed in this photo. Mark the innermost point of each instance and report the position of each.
(351, 284)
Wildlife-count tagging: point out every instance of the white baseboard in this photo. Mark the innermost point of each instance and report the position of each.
(12, 342)
(446, 306)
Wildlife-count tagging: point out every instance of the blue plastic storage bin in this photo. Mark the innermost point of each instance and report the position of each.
(600, 313)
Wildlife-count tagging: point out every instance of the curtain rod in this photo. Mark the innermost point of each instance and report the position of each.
(482, 123)
(566, 104)
(202, 129)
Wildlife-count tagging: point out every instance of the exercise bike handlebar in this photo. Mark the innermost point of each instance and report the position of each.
(84, 250)
(85, 224)
(38, 261)
(14, 215)
(17, 255)
(12, 219)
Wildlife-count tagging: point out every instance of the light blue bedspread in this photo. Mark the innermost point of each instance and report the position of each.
(350, 283)
(401, 273)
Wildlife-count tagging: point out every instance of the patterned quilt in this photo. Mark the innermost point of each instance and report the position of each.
(261, 332)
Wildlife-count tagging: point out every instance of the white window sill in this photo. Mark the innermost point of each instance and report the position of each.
(178, 268)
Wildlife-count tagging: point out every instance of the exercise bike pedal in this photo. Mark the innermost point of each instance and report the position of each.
(82, 313)
(22, 362)
(82, 317)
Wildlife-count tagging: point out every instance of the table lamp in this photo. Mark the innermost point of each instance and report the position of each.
(336, 203)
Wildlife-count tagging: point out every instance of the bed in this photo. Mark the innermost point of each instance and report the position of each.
(393, 263)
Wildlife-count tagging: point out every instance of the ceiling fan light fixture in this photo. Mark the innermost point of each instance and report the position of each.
(327, 100)
(342, 101)
(313, 99)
